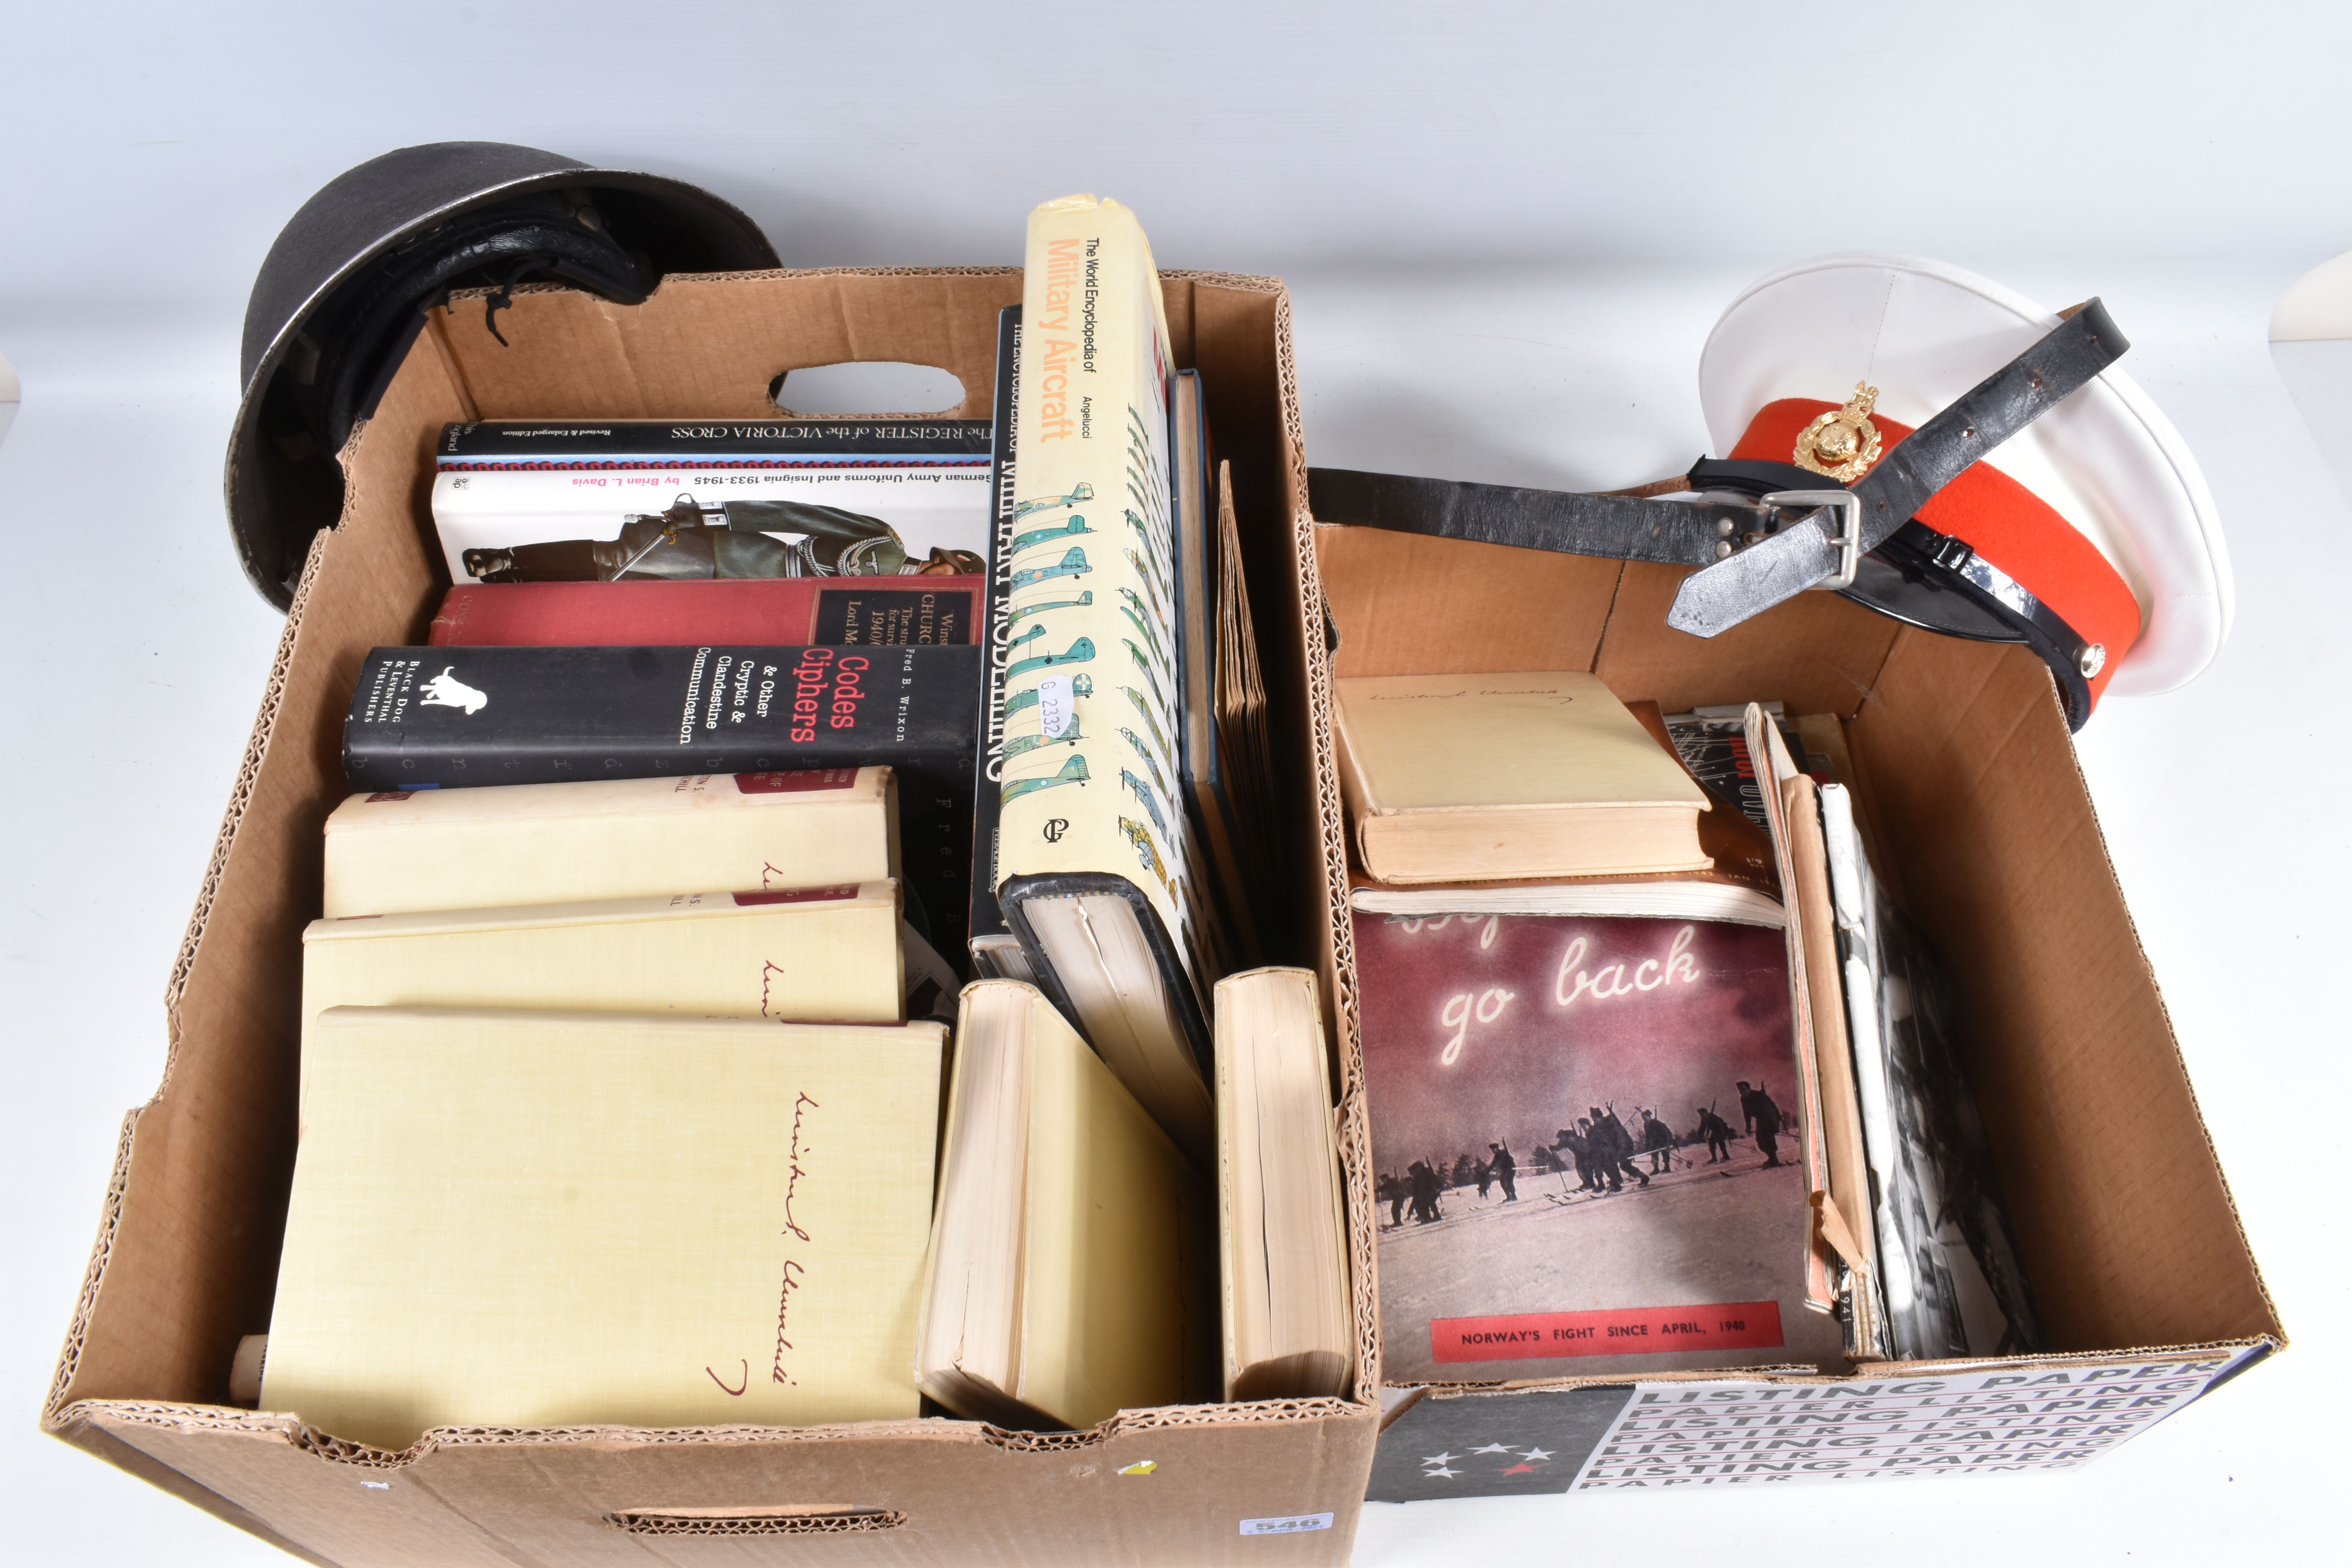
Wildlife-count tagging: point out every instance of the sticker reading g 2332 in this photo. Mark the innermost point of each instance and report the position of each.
(1054, 709)
(1286, 1525)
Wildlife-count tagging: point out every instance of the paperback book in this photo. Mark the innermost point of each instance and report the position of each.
(1587, 1152)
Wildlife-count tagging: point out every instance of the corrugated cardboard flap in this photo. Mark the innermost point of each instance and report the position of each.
(940, 1487)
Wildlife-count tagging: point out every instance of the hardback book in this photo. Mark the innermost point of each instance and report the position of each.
(1953, 1281)
(1840, 1265)
(1740, 884)
(1243, 779)
(1524, 775)
(456, 717)
(818, 954)
(1073, 1255)
(1226, 787)
(840, 612)
(996, 953)
(629, 500)
(1739, 849)
(565, 1220)
(1587, 1153)
(1094, 860)
(1713, 743)
(1644, 897)
(391, 851)
(1282, 1229)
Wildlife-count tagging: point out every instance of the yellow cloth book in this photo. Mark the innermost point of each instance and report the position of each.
(551, 1219)
(396, 850)
(816, 955)
(1514, 775)
(1072, 1254)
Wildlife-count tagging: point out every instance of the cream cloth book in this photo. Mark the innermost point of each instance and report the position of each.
(1074, 1252)
(396, 850)
(812, 955)
(561, 1219)
(1519, 775)
(1282, 1228)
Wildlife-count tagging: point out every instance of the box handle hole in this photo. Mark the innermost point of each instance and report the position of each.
(868, 386)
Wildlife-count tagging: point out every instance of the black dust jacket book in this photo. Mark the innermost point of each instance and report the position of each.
(447, 717)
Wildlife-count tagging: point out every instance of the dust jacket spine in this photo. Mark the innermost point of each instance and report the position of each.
(451, 718)
(996, 626)
(838, 611)
(712, 443)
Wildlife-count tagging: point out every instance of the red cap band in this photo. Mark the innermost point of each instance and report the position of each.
(2002, 521)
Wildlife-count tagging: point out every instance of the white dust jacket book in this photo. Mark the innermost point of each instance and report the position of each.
(396, 850)
(800, 497)
(1090, 813)
(817, 955)
(550, 1219)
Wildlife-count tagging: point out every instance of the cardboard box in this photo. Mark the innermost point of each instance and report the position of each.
(2147, 1293)
(188, 1247)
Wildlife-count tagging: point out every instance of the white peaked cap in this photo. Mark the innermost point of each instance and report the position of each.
(1924, 333)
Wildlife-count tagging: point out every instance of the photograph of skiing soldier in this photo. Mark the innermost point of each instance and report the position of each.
(1586, 1135)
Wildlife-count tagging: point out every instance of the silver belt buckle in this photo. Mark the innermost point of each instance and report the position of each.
(1848, 538)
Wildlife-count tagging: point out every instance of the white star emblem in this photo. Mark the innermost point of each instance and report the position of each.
(1538, 1454)
(1494, 1448)
(1440, 1473)
(1438, 1459)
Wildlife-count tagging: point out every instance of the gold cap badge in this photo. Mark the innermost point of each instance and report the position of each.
(1842, 443)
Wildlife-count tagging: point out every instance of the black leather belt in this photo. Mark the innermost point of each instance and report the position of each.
(1773, 538)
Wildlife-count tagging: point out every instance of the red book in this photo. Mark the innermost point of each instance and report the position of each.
(761, 610)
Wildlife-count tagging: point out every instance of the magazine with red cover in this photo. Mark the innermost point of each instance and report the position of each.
(877, 612)
(1585, 1137)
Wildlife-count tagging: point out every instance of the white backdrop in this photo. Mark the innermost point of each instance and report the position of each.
(1506, 230)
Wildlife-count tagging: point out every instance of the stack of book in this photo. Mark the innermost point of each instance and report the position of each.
(625, 1084)
(1615, 1131)
(607, 1114)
